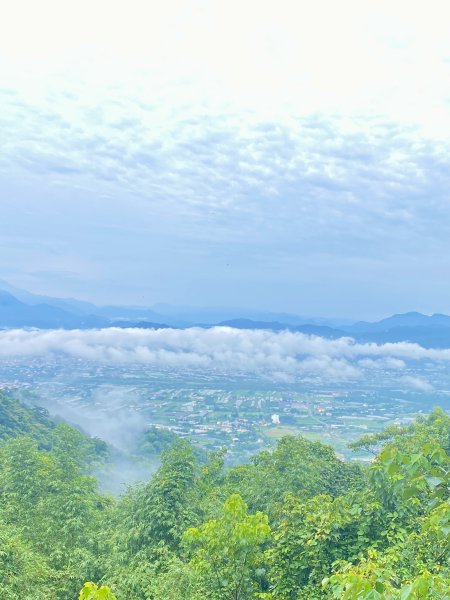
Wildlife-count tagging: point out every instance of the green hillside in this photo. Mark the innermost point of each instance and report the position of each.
(294, 523)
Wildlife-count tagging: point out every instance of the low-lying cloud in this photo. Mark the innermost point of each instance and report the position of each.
(416, 383)
(280, 355)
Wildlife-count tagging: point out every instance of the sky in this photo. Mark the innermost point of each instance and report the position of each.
(277, 155)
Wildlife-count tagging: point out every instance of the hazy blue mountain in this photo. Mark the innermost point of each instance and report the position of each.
(428, 331)
(178, 316)
(308, 329)
(88, 309)
(435, 332)
(249, 324)
(135, 313)
(14, 313)
(409, 319)
(78, 307)
(431, 336)
(140, 325)
(321, 330)
(23, 309)
(190, 314)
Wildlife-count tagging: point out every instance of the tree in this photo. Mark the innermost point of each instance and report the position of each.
(91, 591)
(24, 573)
(416, 564)
(433, 427)
(56, 508)
(149, 522)
(178, 581)
(162, 509)
(227, 551)
(313, 535)
(297, 466)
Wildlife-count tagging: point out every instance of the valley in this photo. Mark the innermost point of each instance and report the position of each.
(241, 411)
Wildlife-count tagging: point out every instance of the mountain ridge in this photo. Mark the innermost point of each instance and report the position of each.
(45, 312)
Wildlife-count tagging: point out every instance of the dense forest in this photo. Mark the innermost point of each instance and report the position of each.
(294, 523)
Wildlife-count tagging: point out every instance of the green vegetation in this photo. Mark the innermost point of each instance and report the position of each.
(91, 591)
(17, 419)
(155, 440)
(293, 523)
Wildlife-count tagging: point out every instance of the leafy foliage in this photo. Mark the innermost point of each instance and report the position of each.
(432, 427)
(155, 440)
(228, 551)
(296, 523)
(91, 591)
(416, 487)
(51, 509)
(297, 466)
(18, 419)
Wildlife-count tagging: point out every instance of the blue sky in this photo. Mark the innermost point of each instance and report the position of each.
(277, 155)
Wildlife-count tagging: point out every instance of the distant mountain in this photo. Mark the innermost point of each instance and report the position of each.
(87, 309)
(432, 336)
(307, 329)
(428, 331)
(190, 314)
(166, 314)
(133, 314)
(321, 331)
(79, 307)
(44, 312)
(408, 320)
(249, 324)
(14, 313)
(19, 308)
(140, 325)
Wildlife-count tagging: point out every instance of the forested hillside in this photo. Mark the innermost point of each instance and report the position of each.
(294, 523)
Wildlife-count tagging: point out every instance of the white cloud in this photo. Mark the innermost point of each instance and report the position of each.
(382, 363)
(293, 134)
(416, 383)
(270, 56)
(281, 355)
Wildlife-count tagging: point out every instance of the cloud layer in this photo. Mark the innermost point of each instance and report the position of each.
(283, 356)
(146, 158)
